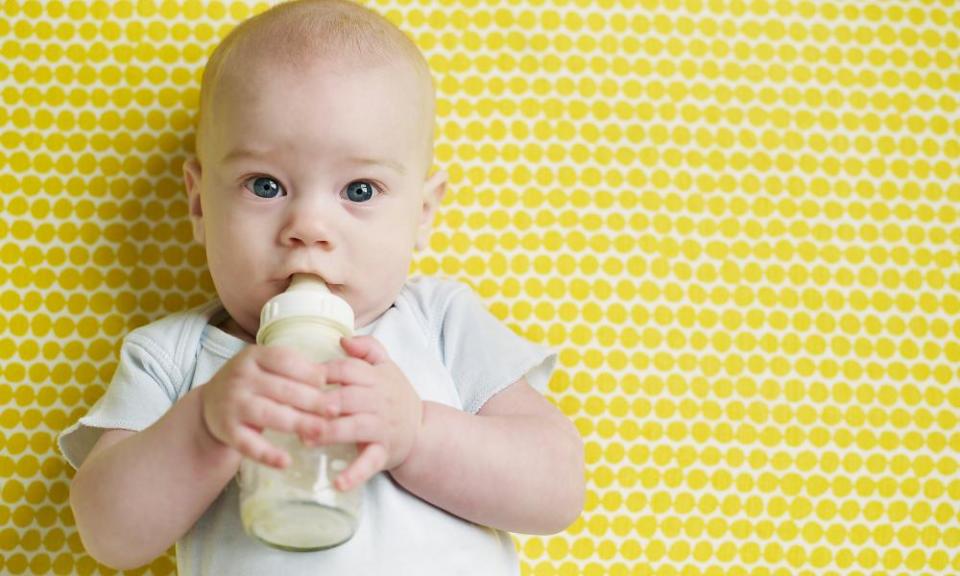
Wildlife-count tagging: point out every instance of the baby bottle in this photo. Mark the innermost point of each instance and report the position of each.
(298, 508)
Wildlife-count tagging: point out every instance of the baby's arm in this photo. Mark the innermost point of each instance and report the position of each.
(138, 493)
(517, 465)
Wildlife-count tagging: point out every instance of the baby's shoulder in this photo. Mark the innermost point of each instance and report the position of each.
(169, 331)
(441, 305)
(430, 288)
(430, 296)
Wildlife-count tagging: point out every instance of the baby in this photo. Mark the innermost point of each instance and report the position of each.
(313, 155)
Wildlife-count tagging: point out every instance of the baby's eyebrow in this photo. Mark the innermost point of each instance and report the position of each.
(239, 153)
(392, 164)
(398, 167)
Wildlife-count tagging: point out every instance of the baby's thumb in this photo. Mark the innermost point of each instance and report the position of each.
(365, 348)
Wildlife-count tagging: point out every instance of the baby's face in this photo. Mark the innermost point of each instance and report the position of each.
(320, 172)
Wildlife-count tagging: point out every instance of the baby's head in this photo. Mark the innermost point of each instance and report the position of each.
(314, 146)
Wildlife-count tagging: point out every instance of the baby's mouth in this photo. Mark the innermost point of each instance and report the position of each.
(289, 279)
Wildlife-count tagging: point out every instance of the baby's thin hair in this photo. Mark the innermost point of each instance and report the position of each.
(298, 33)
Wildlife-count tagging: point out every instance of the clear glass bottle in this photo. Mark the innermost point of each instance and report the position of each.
(298, 508)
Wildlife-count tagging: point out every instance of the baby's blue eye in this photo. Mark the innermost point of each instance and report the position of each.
(359, 191)
(265, 187)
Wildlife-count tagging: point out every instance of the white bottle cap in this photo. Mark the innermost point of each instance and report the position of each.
(307, 296)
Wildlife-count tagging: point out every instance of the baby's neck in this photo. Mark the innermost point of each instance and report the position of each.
(231, 327)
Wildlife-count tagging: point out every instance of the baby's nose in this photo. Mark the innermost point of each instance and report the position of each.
(310, 224)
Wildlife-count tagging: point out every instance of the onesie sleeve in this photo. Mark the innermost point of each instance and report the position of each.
(485, 356)
(143, 388)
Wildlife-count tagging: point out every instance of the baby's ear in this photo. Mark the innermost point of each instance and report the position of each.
(433, 190)
(191, 180)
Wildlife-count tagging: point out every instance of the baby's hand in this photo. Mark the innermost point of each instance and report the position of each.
(377, 407)
(260, 388)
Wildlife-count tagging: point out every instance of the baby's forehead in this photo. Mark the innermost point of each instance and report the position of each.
(299, 37)
(264, 64)
(323, 105)
(246, 85)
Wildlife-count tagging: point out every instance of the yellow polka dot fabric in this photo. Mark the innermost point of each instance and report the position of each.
(736, 220)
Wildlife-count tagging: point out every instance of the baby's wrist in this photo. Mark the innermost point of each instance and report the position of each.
(404, 465)
(207, 440)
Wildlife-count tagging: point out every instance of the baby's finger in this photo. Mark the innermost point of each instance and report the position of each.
(263, 413)
(254, 446)
(291, 364)
(350, 372)
(293, 393)
(346, 400)
(349, 429)
(366, 348)
(370, 461)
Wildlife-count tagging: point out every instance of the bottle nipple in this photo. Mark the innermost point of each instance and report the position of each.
(307, 296)
(308, 282)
